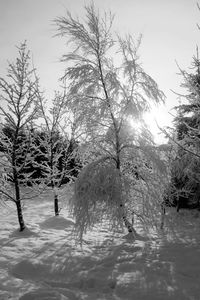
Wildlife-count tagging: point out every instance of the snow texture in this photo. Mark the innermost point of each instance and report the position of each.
(44, 262)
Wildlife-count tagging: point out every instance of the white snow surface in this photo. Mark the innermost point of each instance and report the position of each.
(44, 262)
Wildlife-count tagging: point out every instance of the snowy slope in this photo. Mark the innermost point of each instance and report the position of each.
(44, 262)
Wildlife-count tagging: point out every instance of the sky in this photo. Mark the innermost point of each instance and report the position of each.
(169, 29)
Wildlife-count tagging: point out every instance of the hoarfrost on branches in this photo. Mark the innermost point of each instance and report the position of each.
(58, 146)
(108, 88)
(18, 96)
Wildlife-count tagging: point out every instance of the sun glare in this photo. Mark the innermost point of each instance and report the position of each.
(154, 120)
(136, 125)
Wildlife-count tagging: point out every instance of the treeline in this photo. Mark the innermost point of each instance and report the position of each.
(35, 143)
(184, 188)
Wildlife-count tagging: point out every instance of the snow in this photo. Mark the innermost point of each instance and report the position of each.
(44, 262)
(56, 222)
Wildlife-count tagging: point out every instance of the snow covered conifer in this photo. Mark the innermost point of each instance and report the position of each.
(185, 169)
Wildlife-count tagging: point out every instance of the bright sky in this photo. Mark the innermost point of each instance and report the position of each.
(169, 31)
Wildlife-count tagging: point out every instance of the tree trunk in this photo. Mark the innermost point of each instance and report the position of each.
(18, 201)
(162, 215)
(56, 205)
(178, 205)
(128, 224)
(20, 215)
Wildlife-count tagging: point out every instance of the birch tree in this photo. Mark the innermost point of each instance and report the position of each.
(109, 88)
(18, 96)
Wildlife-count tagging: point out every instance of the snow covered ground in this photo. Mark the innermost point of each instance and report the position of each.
(44, 262)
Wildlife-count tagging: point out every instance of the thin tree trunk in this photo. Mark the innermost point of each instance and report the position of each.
(162, 215)
(178, 205)
(18, 201)
(128, 224)
(56, 205)
(55, 192)
(20, 215)
(15, 179)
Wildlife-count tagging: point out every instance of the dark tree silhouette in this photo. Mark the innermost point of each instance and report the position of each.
(185, 169)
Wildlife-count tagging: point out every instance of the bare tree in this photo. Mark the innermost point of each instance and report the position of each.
(108, 89)
(18, 96)
(57, 144)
